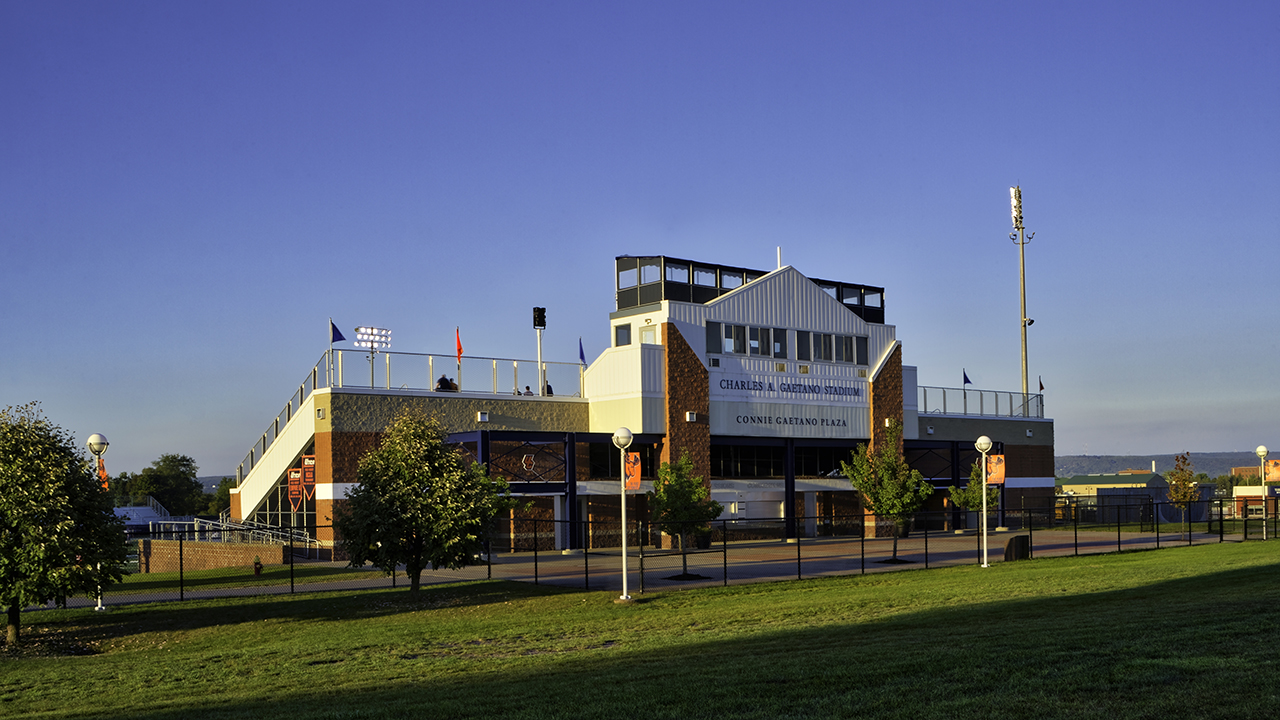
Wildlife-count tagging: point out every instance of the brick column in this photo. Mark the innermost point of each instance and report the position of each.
(687, 389)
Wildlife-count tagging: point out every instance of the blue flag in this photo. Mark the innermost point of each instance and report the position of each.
(967, 381)
(582, 356)
(335, 335)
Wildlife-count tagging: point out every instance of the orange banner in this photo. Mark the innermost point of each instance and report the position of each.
(295, 488)
(1272, 469)
(102, 474)
(995, 469)
(309, 476)
(633, 471)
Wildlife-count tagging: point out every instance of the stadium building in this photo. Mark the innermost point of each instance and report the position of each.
(768, 380)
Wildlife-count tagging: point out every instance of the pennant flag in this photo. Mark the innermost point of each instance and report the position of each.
(582, 356)
(458, 335)
(967, 381)
(1041, 383)
(335, 335)
(102, 474)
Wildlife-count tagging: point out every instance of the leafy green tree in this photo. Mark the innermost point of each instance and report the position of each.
(1183, 488)
(59, 536)
(970, 497)
(419, 502)
(171, 480)
(890, 488)
(680, 504)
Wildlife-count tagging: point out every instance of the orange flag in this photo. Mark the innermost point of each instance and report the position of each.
(458, 335)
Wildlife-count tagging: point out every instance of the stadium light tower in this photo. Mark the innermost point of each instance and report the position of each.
(1021, 238)
(375, 339)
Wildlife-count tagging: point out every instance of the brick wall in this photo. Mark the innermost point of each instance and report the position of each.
(688, 389)
(886, 396)
(156, 556)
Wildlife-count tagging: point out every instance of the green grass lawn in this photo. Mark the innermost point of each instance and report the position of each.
(1178, 633)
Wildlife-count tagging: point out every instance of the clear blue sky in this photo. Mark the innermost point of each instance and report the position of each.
(189, 190)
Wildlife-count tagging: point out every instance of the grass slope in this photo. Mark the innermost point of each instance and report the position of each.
(1187, 632)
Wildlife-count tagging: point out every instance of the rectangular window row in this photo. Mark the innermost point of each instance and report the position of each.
(726, 339)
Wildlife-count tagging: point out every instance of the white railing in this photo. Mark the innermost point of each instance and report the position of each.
(416, 371)
(985, 403)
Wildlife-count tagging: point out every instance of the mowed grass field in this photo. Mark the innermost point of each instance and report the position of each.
(1177, 633)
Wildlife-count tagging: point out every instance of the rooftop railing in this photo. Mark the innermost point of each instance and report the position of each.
(417, 372)
(981, 403)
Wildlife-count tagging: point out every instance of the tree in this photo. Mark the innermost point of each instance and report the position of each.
(220, 499)
(1183, 488)
(419, 502)
(171, 480)
(59, 536)
(889, 487)
(970, 497)
(680, 503)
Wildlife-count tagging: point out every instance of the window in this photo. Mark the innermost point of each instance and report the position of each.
(649, 335)
(758, 341)
(823, 347)
(703, 276)
(802, 345)
(872, 299)
(713, 337)
(779, 343)
(649, 271)
(863, 355)
(844, 349)
(828, 289)
(621, 335)
(735, 339)
(627, 278)
(678, 272)
(730, 280)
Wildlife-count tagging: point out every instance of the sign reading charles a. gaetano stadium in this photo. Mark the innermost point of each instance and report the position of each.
(825, 390)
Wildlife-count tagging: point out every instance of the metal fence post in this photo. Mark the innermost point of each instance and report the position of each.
(1155, 521)
(535, 550)
(289, 549)
(724, 549)
(798, 577)
(182, 591)
(642, 531)
(1075, 517)
(862, 545)
(1221, 520)
(926, 541)
(586, 547)
(1031, 532)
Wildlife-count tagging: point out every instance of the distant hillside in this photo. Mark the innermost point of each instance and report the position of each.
(1212, 464)
(210, 482)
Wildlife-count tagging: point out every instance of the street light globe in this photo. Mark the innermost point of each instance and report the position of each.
(622, 438)
(983, 444)
(1261, 451)
(97, 444)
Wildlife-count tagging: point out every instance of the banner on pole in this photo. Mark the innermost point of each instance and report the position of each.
(633, 471)
(995, 469)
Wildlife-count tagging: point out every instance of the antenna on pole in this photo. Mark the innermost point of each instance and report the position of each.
(1021, 238)
(779, 257)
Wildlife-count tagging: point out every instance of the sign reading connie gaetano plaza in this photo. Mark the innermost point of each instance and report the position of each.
(772, 405)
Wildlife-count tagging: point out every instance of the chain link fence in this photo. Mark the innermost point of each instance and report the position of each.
(179, 564)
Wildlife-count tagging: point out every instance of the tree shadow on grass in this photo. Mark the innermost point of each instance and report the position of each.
(1175, 648)
(51, 633)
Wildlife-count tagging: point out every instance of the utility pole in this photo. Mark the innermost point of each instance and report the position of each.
(1021, 238)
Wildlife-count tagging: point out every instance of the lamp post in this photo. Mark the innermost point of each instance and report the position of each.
(1261, 452)
(983, 445)
(98, 445)
(622, 438)
(374, 338)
